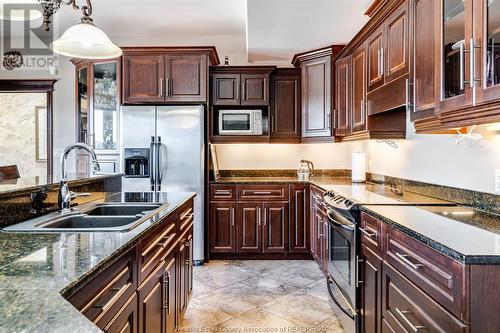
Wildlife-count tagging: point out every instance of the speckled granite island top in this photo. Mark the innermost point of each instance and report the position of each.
(36, 268)
(464, 234)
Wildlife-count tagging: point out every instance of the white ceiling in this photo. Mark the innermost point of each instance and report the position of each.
(277, 29)
(249, 30)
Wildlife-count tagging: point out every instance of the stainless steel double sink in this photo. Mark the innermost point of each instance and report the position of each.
(117, 217)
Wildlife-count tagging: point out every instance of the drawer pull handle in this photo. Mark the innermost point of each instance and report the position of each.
(368, 234)
(262, 192)
(165, 242)
(402, 314)
(404, 258)
(112, 300)
(223, 192)
(186, 213)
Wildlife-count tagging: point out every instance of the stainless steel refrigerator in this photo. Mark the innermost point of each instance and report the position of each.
(173, 137)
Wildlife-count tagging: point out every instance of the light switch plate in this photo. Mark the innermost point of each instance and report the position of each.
(497, 181)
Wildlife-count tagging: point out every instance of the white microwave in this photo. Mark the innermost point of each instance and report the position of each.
(240, 122)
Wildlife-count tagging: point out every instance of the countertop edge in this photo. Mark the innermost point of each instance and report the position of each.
(445, 250)
(103, 264)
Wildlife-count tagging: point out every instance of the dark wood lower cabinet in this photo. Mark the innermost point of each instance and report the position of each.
(298, 231)
(185, 275)
(222, 227)
(114, 300)
(408, 309)
(265, 220)
(275, 216)
(248, 228)
(153, 300)
(125, 320)
(371, 272)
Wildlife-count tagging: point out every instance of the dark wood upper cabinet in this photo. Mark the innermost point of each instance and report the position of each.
(316, 102)
(240, 85)
(222, 227)
(396, 50)
(375, 45)
(254, 89)
(359, 117)
(143, 78)
(425, 76)
(275, 223)
(225, 89)
(285, 105)
(166, 74)
(317, 92)
(186, 78)
(343, 96)
(249, 228)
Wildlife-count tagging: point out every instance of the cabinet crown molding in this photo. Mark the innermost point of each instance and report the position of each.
(242, 69)
(210, 50)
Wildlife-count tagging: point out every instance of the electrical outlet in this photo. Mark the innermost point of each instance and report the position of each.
(497, 181)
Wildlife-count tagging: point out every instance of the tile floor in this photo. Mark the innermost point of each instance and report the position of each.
(264, 296)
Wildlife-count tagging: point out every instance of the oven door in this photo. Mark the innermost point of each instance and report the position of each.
(342, 268)
(235, 123)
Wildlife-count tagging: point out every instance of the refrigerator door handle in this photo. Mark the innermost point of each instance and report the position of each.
(151, 163)
(159, 167)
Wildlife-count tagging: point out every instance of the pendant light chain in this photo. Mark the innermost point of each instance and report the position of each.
(50, 7)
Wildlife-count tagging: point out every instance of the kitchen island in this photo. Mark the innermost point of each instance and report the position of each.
(40, 271)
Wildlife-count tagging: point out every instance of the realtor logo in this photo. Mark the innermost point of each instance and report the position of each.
(25, 45)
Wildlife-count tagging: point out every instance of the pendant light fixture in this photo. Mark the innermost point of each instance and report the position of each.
(9, 11)
(84, 40)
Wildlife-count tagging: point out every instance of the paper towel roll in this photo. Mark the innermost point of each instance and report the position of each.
(358, 167)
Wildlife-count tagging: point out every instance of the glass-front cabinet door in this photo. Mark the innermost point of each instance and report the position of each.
(487, 38)
(456, 37)
(97, 114)
(106, 107)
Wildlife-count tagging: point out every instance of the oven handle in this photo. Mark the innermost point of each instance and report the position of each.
(348, 311)
(334, 217)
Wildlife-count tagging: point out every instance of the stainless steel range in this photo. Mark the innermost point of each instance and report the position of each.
(343, 259)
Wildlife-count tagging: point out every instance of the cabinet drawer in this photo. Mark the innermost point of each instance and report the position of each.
(222, 192)
(186, 216)
(406, 308)
(153, 247)
(371, 232)
(263, 192)
(441, 277)
(101, 298)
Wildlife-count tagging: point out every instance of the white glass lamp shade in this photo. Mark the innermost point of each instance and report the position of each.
(85, 41)
(8, 10)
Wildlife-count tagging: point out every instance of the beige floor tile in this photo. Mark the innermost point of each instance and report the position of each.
(262, 296)
(300, 307)
(230, 299)
(330, 325)
(318, 289)
(221, 276)
(257, 320)
(200, 317)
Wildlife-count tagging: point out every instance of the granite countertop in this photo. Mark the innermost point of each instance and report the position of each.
(362, 193)
(36, 268)
(467, 235)
(29, 184)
